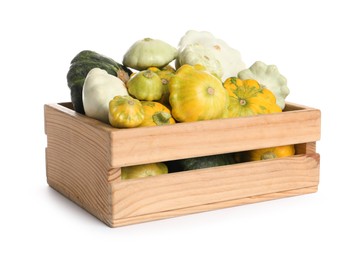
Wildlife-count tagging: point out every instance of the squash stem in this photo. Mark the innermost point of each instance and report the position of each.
(161, 118)
(121, 74)
(148, 74)
(164, 81)
(210, 91)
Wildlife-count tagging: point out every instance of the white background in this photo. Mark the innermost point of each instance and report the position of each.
(315, 44)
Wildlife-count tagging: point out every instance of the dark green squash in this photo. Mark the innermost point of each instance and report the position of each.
(201, 162)
(81, 64)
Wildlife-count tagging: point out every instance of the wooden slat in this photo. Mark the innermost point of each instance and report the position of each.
(188, 189)
(183, 140)
(211, 206)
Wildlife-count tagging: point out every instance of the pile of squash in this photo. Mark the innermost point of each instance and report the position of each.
(158, 84)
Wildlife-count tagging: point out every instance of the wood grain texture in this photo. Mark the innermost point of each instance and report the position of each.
(184, 140)
(76, 162)
(212, 206)
(198, 187)
(305, 148)
(84, 158)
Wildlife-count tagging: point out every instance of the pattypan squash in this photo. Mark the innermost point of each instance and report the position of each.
(143, 170)
(168, 68)
(145, 85)
(156, 114)
(193, 54)
(229, 58)
(98, 89)
(80, 66)
(125, 112)
(196, 95)
(269, 77)
(247, 98)
(149, 52)
(270, 153)
(165, 74)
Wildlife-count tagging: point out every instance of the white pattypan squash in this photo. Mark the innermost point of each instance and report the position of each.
(98, 90)
(194, 54)
(229, 58)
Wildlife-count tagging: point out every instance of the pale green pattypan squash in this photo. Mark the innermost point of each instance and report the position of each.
(198, 54)
(269, 77)
(229, 58)
(149, 52)
(98, 89)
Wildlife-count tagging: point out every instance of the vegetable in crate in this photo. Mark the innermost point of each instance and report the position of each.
(197, 95)
(270, 153)
(205, 162)
(198, 54)
(80, 66)
(268, 77)
(149, 52)
(168, 68)
(247, 98)
(99, 88)
(156, 114)
(145, 85)
(144, 170)
(125, 112)
(165, 74)
(229, 58)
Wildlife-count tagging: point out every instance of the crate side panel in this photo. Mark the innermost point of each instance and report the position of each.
(212, 206)
(212, 185)
(76, 162)
(184, 140)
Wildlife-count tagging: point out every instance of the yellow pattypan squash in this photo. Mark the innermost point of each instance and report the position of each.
(270, 153)
(247, 98)
(165, 74)
(156, 114)
(125, 111)
(144, 170)
(270, 78)
(196, 95)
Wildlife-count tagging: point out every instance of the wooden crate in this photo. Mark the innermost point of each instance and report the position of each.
(84, 159)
